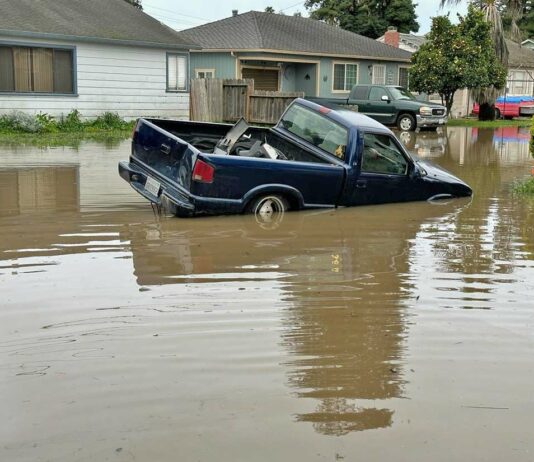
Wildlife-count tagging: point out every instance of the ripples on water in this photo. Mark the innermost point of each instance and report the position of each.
(131, 336)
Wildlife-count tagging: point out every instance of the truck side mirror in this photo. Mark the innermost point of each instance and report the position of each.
(385, 98)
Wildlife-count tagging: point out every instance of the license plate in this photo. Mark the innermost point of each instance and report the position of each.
(152, 186)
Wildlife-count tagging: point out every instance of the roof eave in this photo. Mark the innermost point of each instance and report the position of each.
(305, 53)
(77, 38)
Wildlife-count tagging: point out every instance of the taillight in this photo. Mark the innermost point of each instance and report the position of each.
(203, 172)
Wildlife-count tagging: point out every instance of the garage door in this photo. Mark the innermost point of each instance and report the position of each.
(264, 79)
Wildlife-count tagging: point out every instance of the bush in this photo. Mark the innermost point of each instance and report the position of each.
(525, 188)
(20, 122)
(110, 121)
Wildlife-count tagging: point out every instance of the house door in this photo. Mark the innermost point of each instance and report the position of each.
(264, 79)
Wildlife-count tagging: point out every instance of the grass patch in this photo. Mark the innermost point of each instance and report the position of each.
(470, 122)
(524, 188)
(19, 128)
(18, 122)
(73, 139)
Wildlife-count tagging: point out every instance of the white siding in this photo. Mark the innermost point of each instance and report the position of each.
(128, 80)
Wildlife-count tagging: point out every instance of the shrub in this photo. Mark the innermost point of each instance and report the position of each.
(18, 121)
(71, 122)
(525, 188)
(110, 121)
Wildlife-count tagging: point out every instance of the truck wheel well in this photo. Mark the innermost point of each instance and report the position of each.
(291, 199)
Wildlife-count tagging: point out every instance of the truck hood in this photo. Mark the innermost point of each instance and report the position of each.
(447, 183)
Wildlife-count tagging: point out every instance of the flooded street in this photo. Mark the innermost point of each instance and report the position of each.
(399, 332)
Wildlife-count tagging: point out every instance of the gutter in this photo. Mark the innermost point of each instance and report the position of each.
(86, 39)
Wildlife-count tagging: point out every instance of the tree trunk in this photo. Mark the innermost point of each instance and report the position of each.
(486, 112)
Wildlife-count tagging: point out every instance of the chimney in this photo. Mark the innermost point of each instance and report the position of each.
(391, 37)
(235, 13)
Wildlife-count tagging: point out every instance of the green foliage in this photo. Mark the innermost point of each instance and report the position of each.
(524, 188)
(18, 122)
(269, 9)
(366, 17)
(457, 56)
(136, 3)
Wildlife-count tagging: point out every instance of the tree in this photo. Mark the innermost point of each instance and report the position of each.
(136, 3)
(457, 56)
(269, 9)
(366, 17)
(492, 9)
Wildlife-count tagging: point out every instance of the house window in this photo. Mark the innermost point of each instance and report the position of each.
(36, 70)
(379, 74)
(404, 79)
(345, 76)
(205, 73)
(177, 72)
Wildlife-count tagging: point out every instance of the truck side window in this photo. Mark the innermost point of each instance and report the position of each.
(316, 129)
(376, 93)
(360, 92)
(381, 155)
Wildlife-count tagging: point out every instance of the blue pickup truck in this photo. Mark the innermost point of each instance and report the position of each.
(315, 157)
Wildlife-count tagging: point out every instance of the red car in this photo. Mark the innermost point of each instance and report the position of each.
(511, 106)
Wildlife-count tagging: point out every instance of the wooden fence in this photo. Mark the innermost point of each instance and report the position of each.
(227, 100)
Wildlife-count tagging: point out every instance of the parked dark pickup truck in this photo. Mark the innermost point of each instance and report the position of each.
(314, 157)
(391, 105)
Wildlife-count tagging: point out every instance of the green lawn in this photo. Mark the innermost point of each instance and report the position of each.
(471, 122)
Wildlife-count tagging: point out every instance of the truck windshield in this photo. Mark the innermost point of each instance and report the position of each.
(316, 129)
(400, 93)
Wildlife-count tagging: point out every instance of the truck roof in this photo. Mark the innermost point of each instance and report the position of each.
(346, 117)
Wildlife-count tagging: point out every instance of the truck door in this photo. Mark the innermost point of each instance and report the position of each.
(379, 108)
(383, 173)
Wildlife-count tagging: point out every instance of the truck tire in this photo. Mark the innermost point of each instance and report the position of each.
(406, 122)
(267, 206)
(497, 113)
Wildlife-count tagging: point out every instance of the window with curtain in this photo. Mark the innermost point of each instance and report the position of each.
(345, 76)
(404, 77)
(379, 74)
(177, 72)
(36, 70)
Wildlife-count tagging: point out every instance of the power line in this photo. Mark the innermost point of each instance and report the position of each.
(292, 6)
(174, 12)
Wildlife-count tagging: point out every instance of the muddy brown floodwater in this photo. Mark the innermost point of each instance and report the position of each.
(399, 332)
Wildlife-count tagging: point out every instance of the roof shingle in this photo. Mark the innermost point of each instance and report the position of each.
(269, 31)
(89, 19)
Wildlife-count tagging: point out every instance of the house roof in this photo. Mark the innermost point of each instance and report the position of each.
(89, 20)
(520, 56)
(274, 32)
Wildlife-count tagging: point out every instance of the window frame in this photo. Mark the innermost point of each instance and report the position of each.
(398, 76)
(71, 48)
(385, 74)
(345, 63)
(407, 158)
(187, 64)
(199, 70)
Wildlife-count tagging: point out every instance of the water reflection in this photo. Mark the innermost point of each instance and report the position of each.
(38, 189)
(304, 328)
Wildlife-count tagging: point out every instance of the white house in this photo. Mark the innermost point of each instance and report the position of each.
(93, 56)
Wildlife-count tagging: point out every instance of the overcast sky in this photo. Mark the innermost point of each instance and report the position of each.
(183, 15)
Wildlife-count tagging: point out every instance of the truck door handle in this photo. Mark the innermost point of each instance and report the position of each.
(165, 148)
(361, 184)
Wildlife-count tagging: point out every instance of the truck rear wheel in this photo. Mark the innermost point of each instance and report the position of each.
(497, 113)
(268, 207)
(406, 122)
